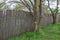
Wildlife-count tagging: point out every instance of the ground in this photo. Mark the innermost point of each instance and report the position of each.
(48, 32)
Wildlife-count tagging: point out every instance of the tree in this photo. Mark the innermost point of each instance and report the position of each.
(55, 11)
(34, 7)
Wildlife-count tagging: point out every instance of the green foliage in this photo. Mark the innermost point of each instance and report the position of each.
(4, 6)
(45, 10)
(18, 7)
(48, 32)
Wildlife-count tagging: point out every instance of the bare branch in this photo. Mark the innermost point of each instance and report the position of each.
(49, 6)
(13, 2)
(24, 2)
(31, 2)
(57, 6)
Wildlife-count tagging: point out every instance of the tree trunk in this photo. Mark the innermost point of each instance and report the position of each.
(54, 18)
(37, 15)
(35, 19)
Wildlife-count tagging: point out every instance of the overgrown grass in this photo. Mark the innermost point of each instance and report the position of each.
(48, 32)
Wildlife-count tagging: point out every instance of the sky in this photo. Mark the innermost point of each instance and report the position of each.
(52, 4)
(11, 6)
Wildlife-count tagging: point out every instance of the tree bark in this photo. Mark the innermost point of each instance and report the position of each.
(37, 15)
(54, 16)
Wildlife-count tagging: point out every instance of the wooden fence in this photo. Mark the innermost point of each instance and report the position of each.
(15, 22)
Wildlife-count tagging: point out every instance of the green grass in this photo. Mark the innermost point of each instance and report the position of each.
(48, 32)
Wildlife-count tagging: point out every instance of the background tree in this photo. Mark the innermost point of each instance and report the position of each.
(55, 11)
